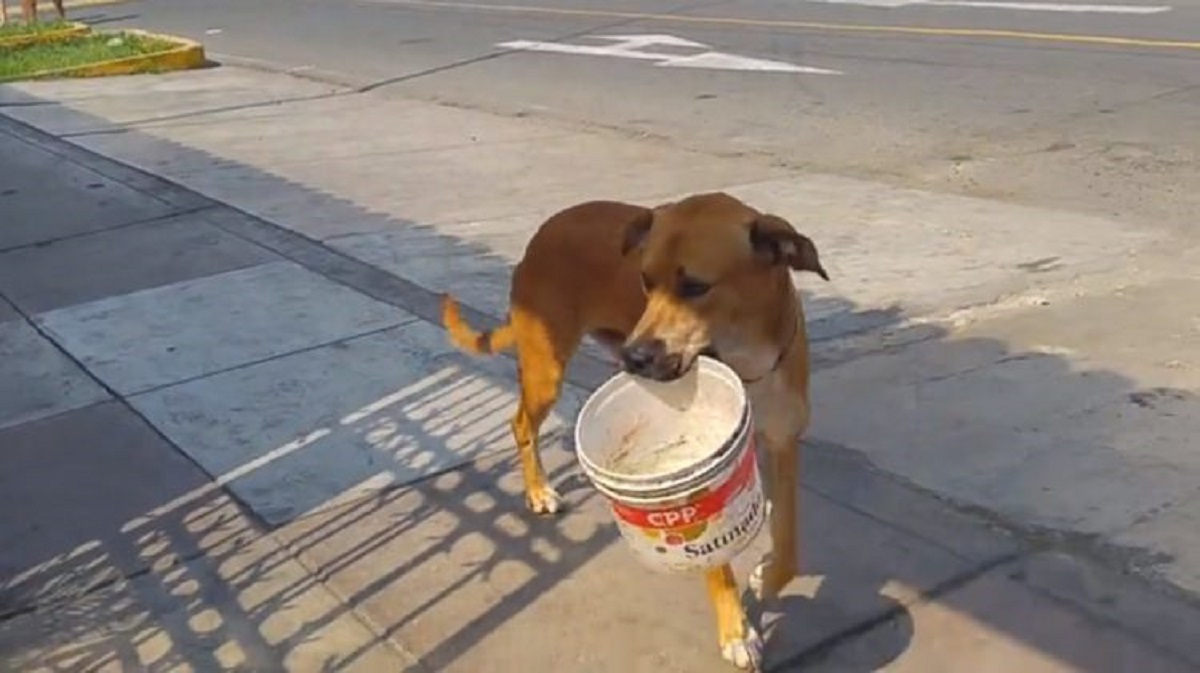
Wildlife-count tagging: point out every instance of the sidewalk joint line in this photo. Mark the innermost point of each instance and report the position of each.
(116, 227)
(99, 164)
(906, 531)
(249, 512)
(271, 358)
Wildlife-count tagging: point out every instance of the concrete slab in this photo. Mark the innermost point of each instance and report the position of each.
(121, 261)
(44, 197)
(1173, 551)
(156, 337)
(150, 185)
(345, 196)
(470, 269)
(472, 260)
(37, 379)
(308, 430)
(995, 624)
(7, 312)
(1160, 617)
(62, 107)
(242, 607)
(1084, 488)
(996, 428)
(255, 128)
(893, 253)
(1047, 415)
(440, 166)
(1155, 348)
(926, 252)
(847, 477)
(78, 479)
(457, 571)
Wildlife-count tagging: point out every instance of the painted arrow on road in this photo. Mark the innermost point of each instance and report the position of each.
(634, 47)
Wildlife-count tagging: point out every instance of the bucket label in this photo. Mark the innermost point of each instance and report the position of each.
(708, 530)
(703, 506)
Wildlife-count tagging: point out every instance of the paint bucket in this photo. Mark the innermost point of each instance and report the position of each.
(676, 461)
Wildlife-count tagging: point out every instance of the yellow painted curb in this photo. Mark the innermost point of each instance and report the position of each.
(186, 55)
(73, 30)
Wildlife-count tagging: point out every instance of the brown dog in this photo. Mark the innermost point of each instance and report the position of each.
(707, 274)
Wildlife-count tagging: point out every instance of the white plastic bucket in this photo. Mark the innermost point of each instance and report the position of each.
(677, 462)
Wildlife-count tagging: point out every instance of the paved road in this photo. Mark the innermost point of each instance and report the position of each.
(1057, 110)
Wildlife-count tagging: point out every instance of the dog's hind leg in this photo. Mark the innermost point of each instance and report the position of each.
(542, 355)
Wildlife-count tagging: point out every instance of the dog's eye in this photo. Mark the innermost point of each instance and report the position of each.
(690, 288)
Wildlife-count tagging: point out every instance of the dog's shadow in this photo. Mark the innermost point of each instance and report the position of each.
(844, 613)
(831, 623)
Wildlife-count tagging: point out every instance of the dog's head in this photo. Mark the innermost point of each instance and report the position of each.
(713, 270)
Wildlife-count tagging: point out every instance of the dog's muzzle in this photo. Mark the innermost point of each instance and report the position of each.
(649, 358)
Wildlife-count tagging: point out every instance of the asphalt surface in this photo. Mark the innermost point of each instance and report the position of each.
(1089, 111)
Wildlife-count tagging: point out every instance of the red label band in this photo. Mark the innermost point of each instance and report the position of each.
(701, 509)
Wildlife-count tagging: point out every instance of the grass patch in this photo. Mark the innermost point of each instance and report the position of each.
(21, 29)
(24, 61)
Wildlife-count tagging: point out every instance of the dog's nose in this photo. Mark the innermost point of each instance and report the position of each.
(641, 355)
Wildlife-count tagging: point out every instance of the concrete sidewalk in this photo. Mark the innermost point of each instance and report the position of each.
(235, 438)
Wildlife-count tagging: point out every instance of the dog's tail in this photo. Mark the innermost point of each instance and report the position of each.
(468, 338)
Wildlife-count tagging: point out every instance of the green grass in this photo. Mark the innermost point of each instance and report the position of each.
(20, 62)
(16, 28)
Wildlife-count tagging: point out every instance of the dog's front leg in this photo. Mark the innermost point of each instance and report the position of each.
(740, 643)
(783, 485)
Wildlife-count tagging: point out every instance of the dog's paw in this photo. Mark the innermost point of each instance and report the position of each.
(745, 652)
(769, 578)
(545, 500)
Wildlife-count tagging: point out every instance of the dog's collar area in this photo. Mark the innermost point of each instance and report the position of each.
(787, 347)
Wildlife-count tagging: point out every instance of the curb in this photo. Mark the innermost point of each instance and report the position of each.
(74, 29)
(186, 55)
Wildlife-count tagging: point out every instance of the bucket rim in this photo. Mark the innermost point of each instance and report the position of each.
(643, 492)
(664, 480)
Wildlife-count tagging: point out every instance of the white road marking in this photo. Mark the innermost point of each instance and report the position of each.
(636, 41)
(632, 46)
(1001, 4)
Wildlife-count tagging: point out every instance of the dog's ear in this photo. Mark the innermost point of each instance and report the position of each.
(636, 230)
(777, 242)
